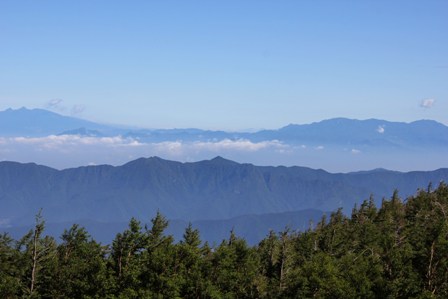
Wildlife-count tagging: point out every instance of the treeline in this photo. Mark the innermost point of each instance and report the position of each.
(397, 250)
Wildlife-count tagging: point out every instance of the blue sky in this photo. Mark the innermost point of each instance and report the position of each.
(226, 64)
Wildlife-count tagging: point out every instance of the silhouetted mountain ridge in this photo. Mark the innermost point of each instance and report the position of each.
(209, 189)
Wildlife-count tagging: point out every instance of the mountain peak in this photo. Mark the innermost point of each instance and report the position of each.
(40, 122)
(220, 161)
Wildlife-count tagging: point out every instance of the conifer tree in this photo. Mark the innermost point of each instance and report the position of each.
(158, 261)
(9, 267)
(126, 255)
(81, 265)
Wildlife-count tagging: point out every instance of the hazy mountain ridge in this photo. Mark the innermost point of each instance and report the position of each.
(251, 227)
(211, 189)
(336, 131)
(40, 122)
(338, 144)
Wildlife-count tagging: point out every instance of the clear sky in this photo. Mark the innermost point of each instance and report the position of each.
(226, 64)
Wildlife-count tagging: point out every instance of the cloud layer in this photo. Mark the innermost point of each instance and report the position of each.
(74, 150)
(64, 151)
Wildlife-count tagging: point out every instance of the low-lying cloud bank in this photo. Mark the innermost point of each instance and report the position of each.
(70, 142)
(64, 151)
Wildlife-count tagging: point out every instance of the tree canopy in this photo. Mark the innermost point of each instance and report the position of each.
(396, 250)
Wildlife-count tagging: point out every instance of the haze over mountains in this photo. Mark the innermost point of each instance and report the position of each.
(214, 193)
(336, 145)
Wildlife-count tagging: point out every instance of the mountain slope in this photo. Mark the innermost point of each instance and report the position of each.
(40, 122)
(251, 227)
(371, 132)
(211, 189)
(341, 132)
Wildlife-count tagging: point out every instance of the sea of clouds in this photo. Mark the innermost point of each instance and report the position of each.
(65, 151)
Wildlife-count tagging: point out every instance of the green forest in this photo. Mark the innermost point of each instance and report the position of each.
(396, 250)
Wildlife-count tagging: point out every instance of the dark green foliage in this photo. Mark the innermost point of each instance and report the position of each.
(126, 258)
(399, 250)
(158, 261)
(10, 271)
(190, 264)
(81, 266)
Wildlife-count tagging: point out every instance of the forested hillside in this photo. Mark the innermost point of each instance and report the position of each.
(396, 250)
(205, 190)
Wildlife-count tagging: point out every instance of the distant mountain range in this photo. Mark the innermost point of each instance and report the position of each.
(209, 190)
(212, 193)
(337, 132)
(40, 122)
(337, 145)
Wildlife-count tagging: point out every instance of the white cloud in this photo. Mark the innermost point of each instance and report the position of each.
(106, 150)
(55, 104)
(239, 145)
(72, 151)
(168, 147)
(427, 103)
(59, 106)
(380, 129)
(217, 147)
(77, 109)
(56, 141)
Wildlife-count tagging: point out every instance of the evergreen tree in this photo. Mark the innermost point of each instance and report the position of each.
(81, 266)
(190, 276)
(235, 267)
(9, 268)
(158, 262)
(399, 250)
(427, 228)
(126, 258)
(36, 260)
